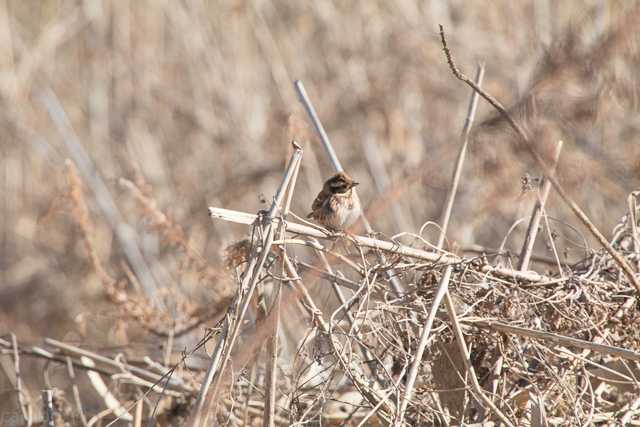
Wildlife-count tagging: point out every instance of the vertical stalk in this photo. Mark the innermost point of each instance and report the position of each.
(324, 138)
(443, 287)
(272, 344)
(462, 153)
(225, 345)
(536, 216)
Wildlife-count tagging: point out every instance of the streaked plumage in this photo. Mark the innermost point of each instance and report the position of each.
(335, 207)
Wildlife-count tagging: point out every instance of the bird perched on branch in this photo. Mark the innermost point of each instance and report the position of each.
(336, 207)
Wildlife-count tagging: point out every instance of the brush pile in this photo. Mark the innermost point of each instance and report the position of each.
(556, 349)
(552, 349)
(126, 303)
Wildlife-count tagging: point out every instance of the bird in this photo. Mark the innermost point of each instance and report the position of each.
(336, 206)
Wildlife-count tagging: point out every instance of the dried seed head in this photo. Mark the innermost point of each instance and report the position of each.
(237, 253)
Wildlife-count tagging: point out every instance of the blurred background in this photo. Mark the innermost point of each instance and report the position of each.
(167, 107)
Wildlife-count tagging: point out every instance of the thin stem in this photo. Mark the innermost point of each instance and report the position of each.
(422, 345)
(443, 288)
(24, 405)
(76, 392)
(247, 289)
(558, 339)
(213, 366)
(536, 216)
(272, 365)
(173, 383)
(318, 320)
(462, 153)
(272, 344)
(317, 124)
(626, 268)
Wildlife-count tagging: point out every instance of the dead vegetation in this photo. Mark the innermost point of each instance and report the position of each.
(126, 305)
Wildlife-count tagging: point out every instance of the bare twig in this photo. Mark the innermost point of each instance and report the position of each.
(391, 247)
(272, 365)
(76, 392)
(317, 124)
(318, 319)
(481, 250)
(462, 152)
(174, 383)
(536, 215)
(213, 365)
(272, 343)
(249, 393)
(330, 277)
(110, 400)
(443, 290)
(558, 339)
(549, 173)
(25, 406)
(137, 416)
(424, 338)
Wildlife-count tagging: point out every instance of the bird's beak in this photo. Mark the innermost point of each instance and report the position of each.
(354, 184)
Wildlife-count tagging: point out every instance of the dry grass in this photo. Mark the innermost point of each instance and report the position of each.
(123, 121)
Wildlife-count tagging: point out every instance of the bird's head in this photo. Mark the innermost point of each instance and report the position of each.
(340, 183)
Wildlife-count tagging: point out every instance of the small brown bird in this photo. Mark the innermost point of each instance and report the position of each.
(336, 207)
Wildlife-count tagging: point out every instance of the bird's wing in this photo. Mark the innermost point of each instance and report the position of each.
(318, 203)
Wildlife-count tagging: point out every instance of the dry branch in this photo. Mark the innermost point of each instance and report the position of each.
(443, 286)
(559, 339)
(548, 171)
(172, 383)
(238, 310)
(390, 247)
(462, 153)
(536, 216)
(424, 337)
(451, 310)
